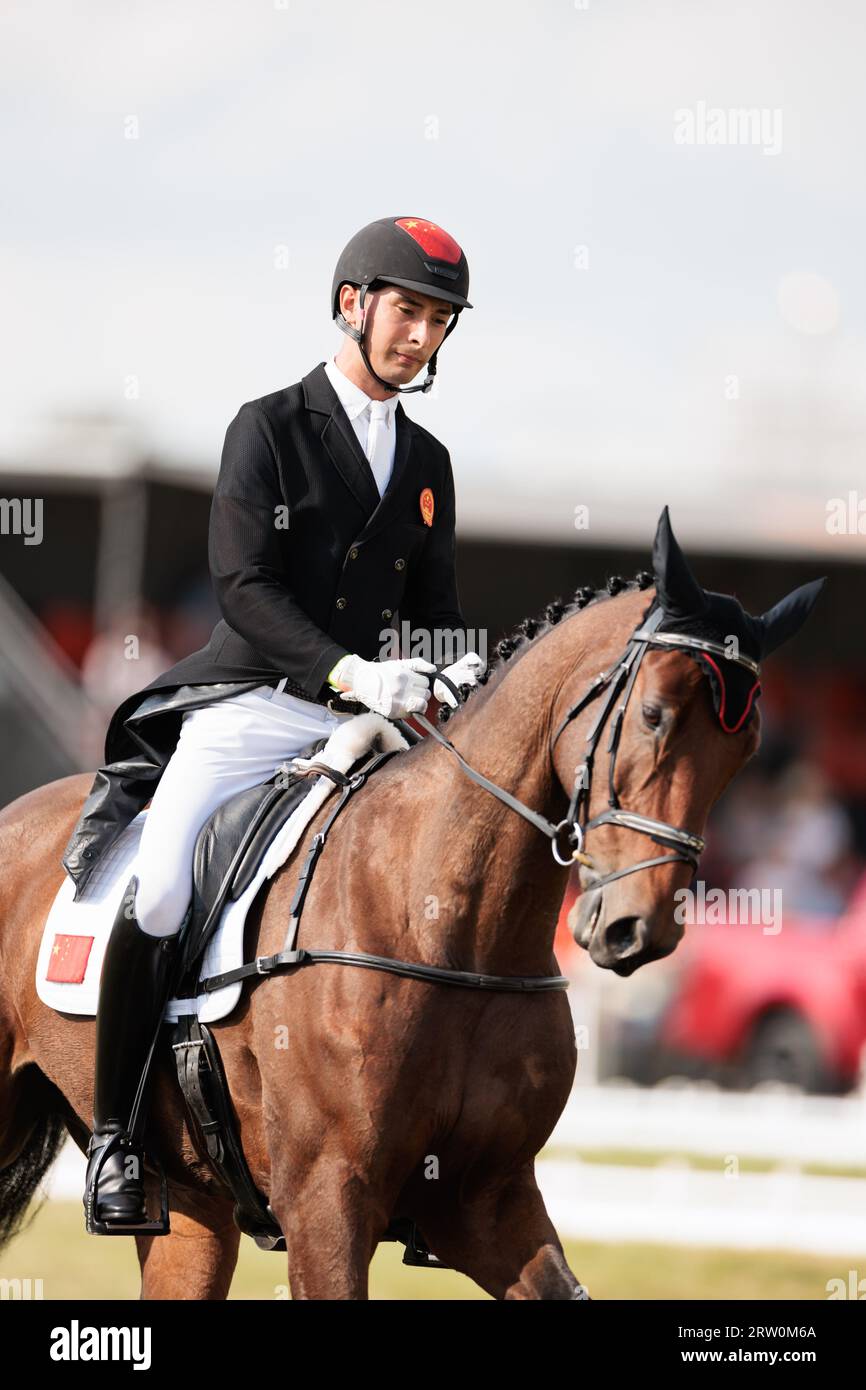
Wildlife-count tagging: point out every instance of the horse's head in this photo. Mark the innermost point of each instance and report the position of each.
(650, 747)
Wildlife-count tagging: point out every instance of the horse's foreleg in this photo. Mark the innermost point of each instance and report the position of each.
(331, 1230)
(505, 1241)
(197, 1259)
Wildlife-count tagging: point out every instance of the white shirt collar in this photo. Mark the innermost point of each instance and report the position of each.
(353, 400)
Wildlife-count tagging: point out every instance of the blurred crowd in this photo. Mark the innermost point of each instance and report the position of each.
(795, 817)
(135, 647)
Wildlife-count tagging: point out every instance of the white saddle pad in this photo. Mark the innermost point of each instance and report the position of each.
(76, 933)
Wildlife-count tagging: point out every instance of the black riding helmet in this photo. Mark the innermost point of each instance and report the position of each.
(412, 253)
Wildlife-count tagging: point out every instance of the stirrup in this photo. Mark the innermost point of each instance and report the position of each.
(96, 1226)
(417, 1251)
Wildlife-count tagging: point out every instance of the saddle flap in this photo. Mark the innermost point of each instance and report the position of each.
(229, 848)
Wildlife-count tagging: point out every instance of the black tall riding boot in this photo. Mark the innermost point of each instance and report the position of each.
(136, 973)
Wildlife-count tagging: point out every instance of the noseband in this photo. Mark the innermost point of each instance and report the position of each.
(620, 677)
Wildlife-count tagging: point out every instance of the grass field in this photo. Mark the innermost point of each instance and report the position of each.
(73, 1265)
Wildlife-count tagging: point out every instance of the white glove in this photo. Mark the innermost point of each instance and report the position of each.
(463, 672)
(393, 688)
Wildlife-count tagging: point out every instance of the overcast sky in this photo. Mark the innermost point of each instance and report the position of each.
(657, 318)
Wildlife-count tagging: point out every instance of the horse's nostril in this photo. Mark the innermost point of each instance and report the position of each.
(622, 934)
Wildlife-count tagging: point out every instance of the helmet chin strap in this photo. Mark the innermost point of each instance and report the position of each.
(357, 336)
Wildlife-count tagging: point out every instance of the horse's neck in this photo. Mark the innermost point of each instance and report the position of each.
(501, 887)
(497, 886)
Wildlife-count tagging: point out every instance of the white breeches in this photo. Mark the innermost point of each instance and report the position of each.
(223, 748)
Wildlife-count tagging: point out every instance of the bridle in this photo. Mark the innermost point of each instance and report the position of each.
(620, 677)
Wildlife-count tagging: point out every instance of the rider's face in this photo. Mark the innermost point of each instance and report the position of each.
(400, 324)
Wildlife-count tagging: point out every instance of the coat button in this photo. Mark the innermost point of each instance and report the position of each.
(386, 613)
(341, 602)
(399, 564)
(353, 553)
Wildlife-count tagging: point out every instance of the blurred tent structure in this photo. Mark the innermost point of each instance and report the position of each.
(42, 707)
(117, 532)
(123, 551)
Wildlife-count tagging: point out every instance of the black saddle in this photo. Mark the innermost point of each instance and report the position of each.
(230, 846)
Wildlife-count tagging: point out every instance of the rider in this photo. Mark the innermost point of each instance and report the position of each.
(398, 289)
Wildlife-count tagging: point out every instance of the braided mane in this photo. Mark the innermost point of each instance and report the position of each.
(529, 630)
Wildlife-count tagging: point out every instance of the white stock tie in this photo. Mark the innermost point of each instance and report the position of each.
(378, 452)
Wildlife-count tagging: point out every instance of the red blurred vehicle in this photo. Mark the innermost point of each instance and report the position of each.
(786, 1007)
(744, 1006)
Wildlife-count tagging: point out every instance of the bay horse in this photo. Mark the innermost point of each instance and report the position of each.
(397, 1096)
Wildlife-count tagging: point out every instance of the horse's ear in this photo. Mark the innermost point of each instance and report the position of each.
(679, 593)
(787, 616)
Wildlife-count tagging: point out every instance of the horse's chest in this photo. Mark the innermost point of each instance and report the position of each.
(510, 1097)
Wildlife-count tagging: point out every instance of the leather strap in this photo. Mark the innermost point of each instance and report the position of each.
(446, 680)
(287, 960)
(203, 1083)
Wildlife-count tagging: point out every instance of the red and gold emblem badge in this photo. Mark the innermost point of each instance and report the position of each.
(426, 501)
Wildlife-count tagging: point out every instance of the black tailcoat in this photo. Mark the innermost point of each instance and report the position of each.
(308, 563)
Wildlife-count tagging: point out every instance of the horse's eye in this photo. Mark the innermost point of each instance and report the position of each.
(652, 714)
